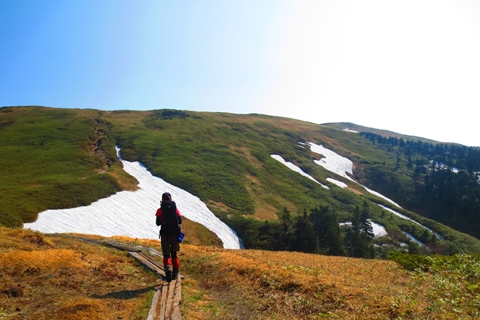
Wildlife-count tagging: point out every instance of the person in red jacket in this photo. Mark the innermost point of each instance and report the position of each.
(169, 220)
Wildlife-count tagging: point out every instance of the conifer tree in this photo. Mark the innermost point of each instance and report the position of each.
(327, 231)
(365, 222)
(359, 237)
(334, 236)
(268, 235)
(286, 230)
(304, 235)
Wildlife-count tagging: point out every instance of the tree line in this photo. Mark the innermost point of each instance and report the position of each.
(444, 183)
(317, 231)
(449, 154)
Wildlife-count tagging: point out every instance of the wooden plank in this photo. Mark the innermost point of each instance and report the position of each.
(148, 263)
(168, 297)
(159, 266)
(154, 252)
(156, 265)
(140, 258)
(178, 291)
(163, 301)
(153, 309)
(143, 261)
(152, 260)
(170, 294)
(121, 246)
(89, 240)
(176, 315)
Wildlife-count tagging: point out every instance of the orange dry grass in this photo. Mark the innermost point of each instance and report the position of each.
(20, 239)
(46, 277)
(142, 242)
(82, 308)
(289, 285)
(18, 262)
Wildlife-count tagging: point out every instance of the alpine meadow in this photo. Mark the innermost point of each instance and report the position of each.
(310, 246)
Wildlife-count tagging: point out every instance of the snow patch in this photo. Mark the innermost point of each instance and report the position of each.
(332, 161)
(381, 196)
(407, 218)
(378, 230)
(414, 239)
(335, 163)
(133, 213)
(338, 183)
(296, 169)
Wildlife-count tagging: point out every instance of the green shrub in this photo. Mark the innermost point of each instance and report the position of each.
(410, 261)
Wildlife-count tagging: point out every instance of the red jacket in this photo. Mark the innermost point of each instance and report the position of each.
(159, 213)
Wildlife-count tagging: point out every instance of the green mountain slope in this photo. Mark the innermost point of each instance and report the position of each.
(57, 158)
(54, 159)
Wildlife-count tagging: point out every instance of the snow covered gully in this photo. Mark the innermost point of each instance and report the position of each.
(132, 214)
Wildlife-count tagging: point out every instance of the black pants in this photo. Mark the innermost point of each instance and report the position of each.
(170, 246)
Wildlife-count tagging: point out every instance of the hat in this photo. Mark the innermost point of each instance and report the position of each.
(166, 196)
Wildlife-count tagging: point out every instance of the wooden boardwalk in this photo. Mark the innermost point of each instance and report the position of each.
(168, 296)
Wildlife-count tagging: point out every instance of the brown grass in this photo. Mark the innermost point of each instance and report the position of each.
(46, 277)
(61, 277)
(266, 212)
(250, 284)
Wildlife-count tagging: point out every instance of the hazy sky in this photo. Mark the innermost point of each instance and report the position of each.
(408, 66)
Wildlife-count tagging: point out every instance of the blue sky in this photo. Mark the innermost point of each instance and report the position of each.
(406, 66)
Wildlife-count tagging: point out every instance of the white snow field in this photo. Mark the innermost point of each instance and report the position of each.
(332, 161)
(296, 169)
(132, 214)
(335, 163)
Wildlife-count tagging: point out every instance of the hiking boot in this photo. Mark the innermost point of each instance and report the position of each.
(175, 273)
(168, 273)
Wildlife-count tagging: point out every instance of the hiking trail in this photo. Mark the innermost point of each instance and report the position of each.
(168, 296)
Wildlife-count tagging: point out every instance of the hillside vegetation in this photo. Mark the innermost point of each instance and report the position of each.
(61, 158)
(60, 277)
(55, 159)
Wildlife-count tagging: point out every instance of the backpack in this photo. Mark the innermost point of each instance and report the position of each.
(170, 225)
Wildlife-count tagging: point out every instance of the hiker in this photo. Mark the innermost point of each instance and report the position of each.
(169, 218)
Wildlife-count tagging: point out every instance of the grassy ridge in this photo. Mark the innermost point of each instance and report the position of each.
(60, 158)
(54, 158)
